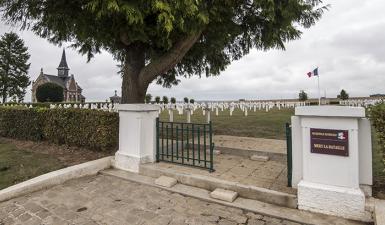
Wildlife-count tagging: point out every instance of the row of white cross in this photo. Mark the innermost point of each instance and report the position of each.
(207, 108)
(361, 102)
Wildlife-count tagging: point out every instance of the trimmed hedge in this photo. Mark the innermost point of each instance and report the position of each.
(93, 129)
(377, 115)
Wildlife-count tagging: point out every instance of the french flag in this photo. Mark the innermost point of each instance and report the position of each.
(313, 73)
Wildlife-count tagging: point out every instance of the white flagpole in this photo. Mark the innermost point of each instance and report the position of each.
(319, 91)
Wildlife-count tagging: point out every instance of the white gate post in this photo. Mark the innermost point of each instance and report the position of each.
(332, 160)
(137, 136)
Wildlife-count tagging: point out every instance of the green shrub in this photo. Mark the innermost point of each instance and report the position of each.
(377, 116)
(21, 122)
(49, 92)
(96, 130)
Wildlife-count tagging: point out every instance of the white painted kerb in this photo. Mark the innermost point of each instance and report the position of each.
(54, 178)
(137, 136)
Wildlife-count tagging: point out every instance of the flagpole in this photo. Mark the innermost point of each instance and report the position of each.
(319, 92)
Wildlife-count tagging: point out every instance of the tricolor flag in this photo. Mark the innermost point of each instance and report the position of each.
(313, 73)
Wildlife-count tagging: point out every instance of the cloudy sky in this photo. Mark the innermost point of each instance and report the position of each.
(347, 44)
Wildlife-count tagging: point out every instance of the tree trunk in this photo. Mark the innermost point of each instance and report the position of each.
(132, 90)
(137, 76)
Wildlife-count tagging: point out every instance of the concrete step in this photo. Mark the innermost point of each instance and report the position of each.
(224, 195)
(249, 205)
(211, 183)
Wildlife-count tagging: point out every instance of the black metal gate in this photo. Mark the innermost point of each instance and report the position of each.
(188, 144)
(289, 154)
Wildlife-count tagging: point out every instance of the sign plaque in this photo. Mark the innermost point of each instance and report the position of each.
(330, 142)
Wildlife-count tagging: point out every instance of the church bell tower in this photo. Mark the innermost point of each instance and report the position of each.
(62, 70)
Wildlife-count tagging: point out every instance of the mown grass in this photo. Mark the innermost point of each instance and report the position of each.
(17, 165)
(260, 124)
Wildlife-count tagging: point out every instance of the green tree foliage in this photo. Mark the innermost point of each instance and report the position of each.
(148, 98)
(165, 99)
(343, 95)
(14, 67)
(49, 92)
(192, 101)
(185, 100)
(157, 99)
(173, 100)
(377, 116)
(302, 95)
(163, 40)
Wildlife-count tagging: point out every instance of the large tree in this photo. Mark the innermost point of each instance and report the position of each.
(49, 92)
(14, 67)
(343, 95)
(164, 39)
(302, 96)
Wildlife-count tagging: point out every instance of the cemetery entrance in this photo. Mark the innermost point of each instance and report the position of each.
(188, 144)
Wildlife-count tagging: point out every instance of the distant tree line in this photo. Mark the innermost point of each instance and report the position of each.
(166, 100)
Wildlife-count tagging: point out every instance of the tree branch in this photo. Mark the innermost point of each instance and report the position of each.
(168, 60)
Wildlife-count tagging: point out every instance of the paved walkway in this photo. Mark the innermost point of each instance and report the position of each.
(107, 200)
(249, 143)
(271, 174)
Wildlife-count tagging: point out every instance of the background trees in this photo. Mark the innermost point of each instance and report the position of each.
(343, 95)
(14, 67)
(185, 100)
(163, 40)
(165, 99)
(173, 100)
(302, 96)
(49, 92)
(157, 99)
(148, 98)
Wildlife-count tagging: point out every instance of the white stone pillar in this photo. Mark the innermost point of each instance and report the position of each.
(137, 136)
(330, 161)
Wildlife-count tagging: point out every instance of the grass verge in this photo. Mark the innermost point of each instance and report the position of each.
(17, 165)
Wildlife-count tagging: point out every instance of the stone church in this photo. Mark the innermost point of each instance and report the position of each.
(72, 92)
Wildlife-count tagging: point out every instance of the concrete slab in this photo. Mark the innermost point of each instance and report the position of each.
(261, 158)
(379, 212)
(166, 181)
(189, 176)
(224, 195)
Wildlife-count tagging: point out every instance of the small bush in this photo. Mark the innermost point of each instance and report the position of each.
(377, 116)
(49, 92)
(96, 130)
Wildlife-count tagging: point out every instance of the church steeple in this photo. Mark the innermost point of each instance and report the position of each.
(63, 67)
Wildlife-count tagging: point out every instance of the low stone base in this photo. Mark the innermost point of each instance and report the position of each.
(260, 158)
(332, 200)
(166, 181)
(224, 195)
(130, 163)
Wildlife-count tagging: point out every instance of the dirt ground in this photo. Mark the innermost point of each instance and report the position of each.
(68, 155)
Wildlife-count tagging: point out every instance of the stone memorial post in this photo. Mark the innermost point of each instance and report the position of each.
(332, 160)
(137, 136)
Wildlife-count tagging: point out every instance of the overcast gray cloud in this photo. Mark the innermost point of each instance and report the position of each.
(347, 45)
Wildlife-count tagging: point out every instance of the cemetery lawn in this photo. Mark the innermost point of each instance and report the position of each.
(17, 165)
(23, 160)
(259, 124)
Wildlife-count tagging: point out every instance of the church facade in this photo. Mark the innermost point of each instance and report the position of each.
(72, 92)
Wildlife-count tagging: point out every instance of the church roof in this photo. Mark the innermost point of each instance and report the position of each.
(57, 80)
(61, 81)
(63, 61)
